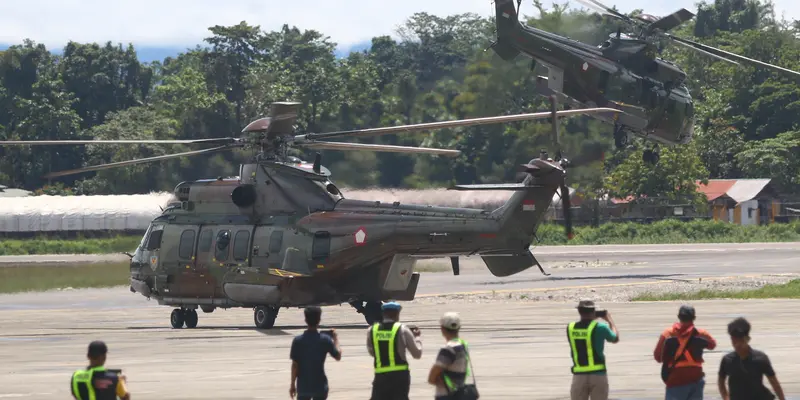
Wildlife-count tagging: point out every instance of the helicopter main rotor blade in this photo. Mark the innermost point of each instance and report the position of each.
(599, 10)
(449, 124)
(608, 10)
(671, 21)
(378, 147)
(132, 141)
(723, 54)
(707, 53)
(137, 161)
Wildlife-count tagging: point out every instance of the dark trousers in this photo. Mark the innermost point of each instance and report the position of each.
(315, 397)
(391, 385)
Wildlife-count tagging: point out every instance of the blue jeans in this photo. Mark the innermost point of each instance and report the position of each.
(692, 391)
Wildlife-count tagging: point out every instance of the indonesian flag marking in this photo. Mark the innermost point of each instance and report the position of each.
(360, 236)
(505, 15)
(528, 205)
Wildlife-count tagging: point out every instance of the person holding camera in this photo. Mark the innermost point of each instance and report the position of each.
(96, 382)
(388, 342)
(308, 354)
(587, 338)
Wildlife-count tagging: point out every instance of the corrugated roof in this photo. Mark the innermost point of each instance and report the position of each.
(715, 187)
(747, 189)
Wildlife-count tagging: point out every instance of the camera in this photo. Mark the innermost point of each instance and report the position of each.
(601, 313)
(328, 332)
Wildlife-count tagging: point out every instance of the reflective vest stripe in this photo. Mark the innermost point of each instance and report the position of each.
(447, 381)
(687, 360)
(584, 336)
(379, 335)
(84, 376)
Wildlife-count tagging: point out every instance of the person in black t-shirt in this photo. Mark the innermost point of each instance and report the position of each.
(308, 358)
(745, 368)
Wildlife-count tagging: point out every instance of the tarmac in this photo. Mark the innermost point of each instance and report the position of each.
(519, 348)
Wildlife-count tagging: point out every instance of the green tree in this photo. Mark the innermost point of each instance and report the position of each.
(673, 178)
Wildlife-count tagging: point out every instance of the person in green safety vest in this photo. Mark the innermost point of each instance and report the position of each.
(452, 373)
(587, 338)
(96, 382)
(387, 342)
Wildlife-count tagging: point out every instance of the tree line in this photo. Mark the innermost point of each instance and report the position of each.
(747, 124)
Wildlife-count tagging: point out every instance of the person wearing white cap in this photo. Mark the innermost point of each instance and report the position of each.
(452, 368)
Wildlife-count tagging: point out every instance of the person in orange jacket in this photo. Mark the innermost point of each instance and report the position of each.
(680, 352)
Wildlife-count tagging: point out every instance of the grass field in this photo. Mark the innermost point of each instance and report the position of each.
(46, 277)
(661, 232)
(790, 290)
(118, 244)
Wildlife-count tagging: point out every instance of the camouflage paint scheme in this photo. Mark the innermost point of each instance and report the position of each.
(622, 74)
(315, 247)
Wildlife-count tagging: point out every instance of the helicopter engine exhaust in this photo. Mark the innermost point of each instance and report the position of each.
(244, 195)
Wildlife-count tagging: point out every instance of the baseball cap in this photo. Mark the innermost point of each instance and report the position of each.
(391, 306)
(450, 320)
(586, 304)
(97, 348)
(686, 311)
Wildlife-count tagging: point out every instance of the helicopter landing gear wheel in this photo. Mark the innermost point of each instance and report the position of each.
(190, 318)
(177, 318)
(373, 312)
(264, 316)
(650, 156)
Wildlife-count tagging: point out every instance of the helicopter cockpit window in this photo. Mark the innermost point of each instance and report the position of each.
(240, 245)
(223, 242)
(154, 242)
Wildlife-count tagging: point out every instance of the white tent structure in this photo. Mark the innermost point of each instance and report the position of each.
(80, 213)
(134, 212)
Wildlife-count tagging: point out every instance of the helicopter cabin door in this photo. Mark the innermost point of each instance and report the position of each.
(268, 248)
(178, 261)
(229, 258)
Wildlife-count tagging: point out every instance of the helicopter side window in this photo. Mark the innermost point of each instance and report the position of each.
(322, 245)
(276, 241)
(240, 245)
(154, 242)
(186, 246)
(205, 241)
(223, 242)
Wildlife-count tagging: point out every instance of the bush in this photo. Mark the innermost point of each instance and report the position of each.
(116, 244)
(671, 231)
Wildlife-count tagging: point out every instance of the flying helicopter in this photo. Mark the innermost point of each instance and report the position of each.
(624, 72)
(281, 234)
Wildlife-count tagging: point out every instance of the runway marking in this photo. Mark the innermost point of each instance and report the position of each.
(605, 285)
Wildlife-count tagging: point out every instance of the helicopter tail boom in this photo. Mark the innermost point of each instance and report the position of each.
(506, 21)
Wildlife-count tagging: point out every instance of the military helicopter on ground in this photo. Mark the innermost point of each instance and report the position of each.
(624, 72)
(281, 234)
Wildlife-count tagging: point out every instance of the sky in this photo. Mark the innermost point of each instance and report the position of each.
(159, 28)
